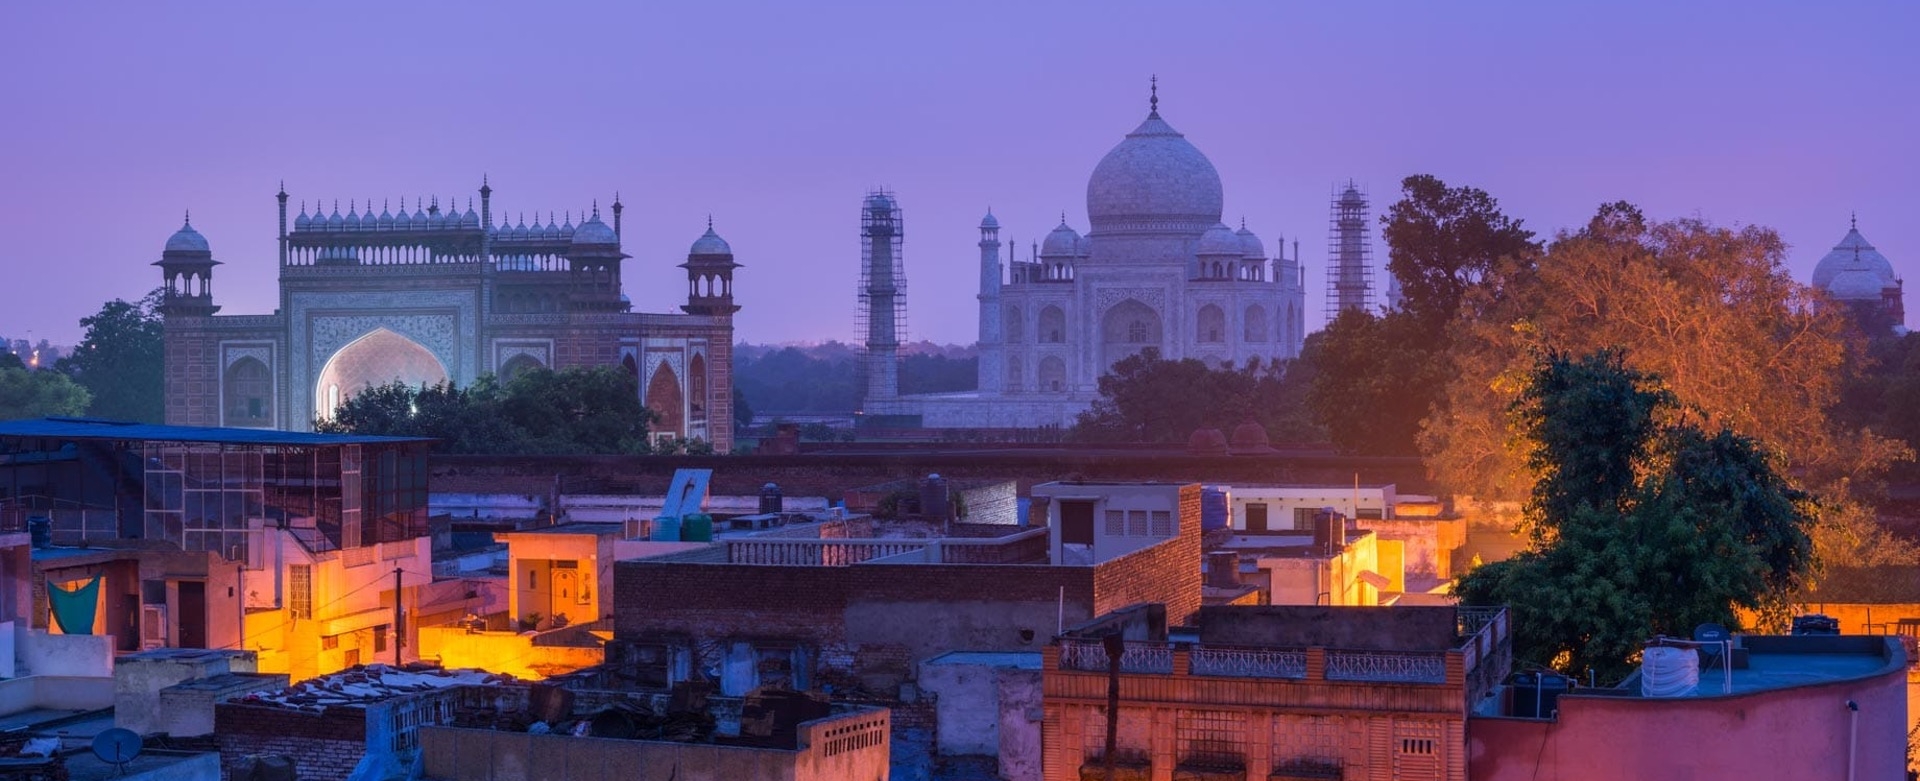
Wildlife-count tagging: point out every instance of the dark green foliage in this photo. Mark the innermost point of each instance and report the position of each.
(1642, 528)
(573, 411)
(742, 411)
(120, 361)
(1148, 399)
(826, 378)
(10, 361)
(25, 393)
(1378, 376)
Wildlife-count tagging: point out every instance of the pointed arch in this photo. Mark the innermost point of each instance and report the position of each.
(697, 387)
(1256, 323)
(378, 358)
(247, 393)
(518, 365)
(667, 402)
(1053, 325)
(1053, 374)
(1127, 328)
(1210, 325)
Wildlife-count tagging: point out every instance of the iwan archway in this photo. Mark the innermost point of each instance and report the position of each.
(379, 358)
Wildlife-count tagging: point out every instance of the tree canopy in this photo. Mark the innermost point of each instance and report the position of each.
(1146, 398)
(1378, 375)
(571, 411)
(25, 393)
(1644, 522)
(121, 360)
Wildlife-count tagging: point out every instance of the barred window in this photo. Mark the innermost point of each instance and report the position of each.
(1116, 523)
(1162, 523)
(1137, 523)
(300, 590)
(1210, 738)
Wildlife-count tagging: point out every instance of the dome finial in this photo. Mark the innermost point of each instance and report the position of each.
(709, 220)
(1853, 220)
(1153, 99)
(188, 219)
(596, 208)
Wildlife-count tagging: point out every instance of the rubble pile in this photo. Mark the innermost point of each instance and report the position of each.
(372, 683)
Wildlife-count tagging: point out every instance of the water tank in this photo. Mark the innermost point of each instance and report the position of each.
(1213, 509)
(1667, 671)
(1816, 624)
(40, 531)
(666, 529)
(1329, 531)
(936, 499)
(1536, 695)
(697, 527)
(771, 502)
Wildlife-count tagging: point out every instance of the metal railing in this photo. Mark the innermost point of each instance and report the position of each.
(1387, 666)
(1087, 656)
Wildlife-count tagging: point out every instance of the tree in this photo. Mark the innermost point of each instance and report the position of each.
(572, 411)
(1146, 398)
(742, 411)
(1710, 310)
(38, 394)
(120, 361)
(8, 360)
(1644, 523)
(1443, 242)
(1377, 376)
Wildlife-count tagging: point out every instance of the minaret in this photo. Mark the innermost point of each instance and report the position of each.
(283, 222)
(991, 351)
(710, 276)
(882, 289)
(1350, 255)
(186, 274)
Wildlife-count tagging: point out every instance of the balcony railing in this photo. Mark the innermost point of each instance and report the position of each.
(1017, 548)
(1139, 658)
(1249, 662)
(1387, 666)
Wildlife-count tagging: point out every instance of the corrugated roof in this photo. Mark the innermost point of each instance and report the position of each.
(94, 428)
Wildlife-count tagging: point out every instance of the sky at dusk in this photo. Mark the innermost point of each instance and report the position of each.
(777, 118)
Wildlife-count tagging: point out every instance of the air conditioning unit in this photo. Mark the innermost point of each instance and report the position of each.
(153, 627)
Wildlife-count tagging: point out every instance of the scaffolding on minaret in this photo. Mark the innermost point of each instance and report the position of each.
(883, 296)
(1349, 254)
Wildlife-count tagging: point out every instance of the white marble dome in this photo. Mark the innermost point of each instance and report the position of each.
(1155, 180)
(1062, 241)
(187, 240)
(1220, 240)
(593, 231)
(1854, 270)
(710, 243)
(1250, 243)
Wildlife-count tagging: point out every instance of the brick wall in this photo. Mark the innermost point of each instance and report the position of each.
(1168, 573)
(190, 366)
(324, 746)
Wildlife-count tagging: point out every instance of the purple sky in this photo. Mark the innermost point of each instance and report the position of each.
(778, 118)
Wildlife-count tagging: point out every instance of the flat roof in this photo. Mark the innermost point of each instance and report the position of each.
(96, 428)
(1781, 662)
(1015, 660)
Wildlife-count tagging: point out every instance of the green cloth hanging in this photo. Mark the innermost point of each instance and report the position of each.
(73, 610)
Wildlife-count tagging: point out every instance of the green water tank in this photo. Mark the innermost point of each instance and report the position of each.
(697, 527)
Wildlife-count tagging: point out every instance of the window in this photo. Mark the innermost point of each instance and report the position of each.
(1053, 325)
(1076, 522)
(1416, 746)
(1137, 331)
(1136, 523)
(1116, 523)
(1209, 738)
(1212, 324)
(380, 637)
(330, 642)
(1162, 523)
(1256, 516)
(300, 591)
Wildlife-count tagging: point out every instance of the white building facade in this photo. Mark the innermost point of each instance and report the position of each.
(1156, 270)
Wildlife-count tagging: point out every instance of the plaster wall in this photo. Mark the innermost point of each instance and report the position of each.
(1283, 501)
(988, 710)
(84, 656)
(57, 692)
(1801, 733)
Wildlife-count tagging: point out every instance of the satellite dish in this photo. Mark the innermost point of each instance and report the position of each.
(1710, 633)
(117, 746)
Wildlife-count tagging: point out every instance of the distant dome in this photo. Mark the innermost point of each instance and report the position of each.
(1220, 240)
(1063, 241)
(1250, 243)
(989, 222)
(1854, 270)
(187, 240)
(1855, 284)
(1207, 442)
(302, 222)
(593, 231)
(879, 200)
(1248, 438)
(471, 219)
(710, 243)
(1154, 177)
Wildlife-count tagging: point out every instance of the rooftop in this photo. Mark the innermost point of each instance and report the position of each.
(1782, 662)
(95, 428)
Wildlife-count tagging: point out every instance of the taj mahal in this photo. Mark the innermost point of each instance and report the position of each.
(1157, 269)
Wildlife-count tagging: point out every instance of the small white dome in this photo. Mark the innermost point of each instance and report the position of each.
(593, 231)
(302, 222)
(1220, 240)
(1251, 244)
(187, 240)
(989, 222)
(1063, 241)
(710, 243)
(1853, 254)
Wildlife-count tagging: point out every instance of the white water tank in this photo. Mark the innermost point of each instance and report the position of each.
(1666, 671)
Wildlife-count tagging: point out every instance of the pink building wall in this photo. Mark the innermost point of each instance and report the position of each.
(1791, 733)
